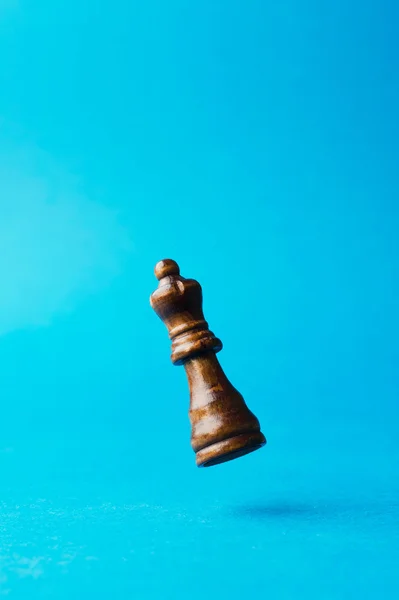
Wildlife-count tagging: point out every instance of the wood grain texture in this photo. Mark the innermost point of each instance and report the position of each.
(222, 426)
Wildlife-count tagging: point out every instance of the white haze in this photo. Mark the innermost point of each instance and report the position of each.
(56, 244)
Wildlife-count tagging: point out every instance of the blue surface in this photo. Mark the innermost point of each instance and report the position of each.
(256, 144)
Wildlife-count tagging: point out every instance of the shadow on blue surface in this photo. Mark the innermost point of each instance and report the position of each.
(327, 510)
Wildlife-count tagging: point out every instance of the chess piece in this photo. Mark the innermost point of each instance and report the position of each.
(223, 427)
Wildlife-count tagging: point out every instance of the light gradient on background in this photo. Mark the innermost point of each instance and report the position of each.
(256, 144)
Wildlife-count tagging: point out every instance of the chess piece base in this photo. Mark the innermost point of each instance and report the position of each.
(230, 449)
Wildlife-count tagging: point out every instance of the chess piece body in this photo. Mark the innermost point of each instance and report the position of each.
(222, 426)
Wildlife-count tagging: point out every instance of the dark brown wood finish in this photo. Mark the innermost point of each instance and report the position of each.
(223, 427)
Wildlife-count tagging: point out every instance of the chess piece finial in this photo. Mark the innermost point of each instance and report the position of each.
(223, 427)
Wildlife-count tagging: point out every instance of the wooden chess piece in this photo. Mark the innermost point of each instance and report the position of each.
(223, 427)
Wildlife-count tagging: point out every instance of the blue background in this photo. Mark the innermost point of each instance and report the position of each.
(256, 143)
